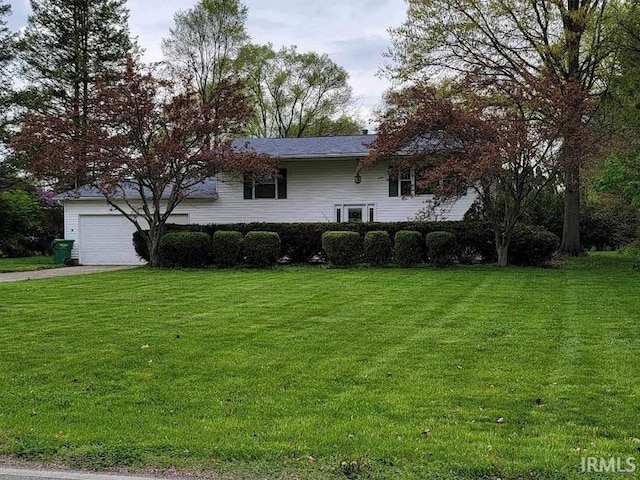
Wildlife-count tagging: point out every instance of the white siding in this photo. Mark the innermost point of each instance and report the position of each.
(313, 190)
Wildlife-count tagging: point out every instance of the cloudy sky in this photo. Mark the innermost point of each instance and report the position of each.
(354, 33)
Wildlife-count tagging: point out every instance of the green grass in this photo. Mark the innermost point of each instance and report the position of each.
(326, 373)
(26, 264)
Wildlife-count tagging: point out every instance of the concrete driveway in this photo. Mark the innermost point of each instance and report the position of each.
(60, 272)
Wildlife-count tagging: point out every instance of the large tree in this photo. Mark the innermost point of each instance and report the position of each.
(68, 46)
(296, 94)
(518, 40)
(6, 57)
(488, 137)
(145, 146)
(621, 112)
(205, 41)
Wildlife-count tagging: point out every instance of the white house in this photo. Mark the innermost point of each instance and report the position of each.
(317, 183)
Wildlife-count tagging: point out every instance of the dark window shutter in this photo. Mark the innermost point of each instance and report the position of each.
(248, 187)
(282, 183)
(393, 185)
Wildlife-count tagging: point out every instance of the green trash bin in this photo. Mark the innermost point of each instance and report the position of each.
(62, 251)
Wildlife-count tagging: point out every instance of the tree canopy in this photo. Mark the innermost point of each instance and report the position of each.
(520, 41)
(205, 41)
(144, 138)
(295, 93)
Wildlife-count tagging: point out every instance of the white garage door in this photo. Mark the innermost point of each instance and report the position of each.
(108, 239)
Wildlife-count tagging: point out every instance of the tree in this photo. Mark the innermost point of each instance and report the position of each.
(205, 42)
(69, 46)
(146, 148)
(484, 136)
(6, 57)
(516, 40)
(296, 94)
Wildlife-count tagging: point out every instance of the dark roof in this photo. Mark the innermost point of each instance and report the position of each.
(204, 189)
(308, 147)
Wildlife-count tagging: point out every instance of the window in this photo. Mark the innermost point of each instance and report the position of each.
(406, 183)
(269, 187)
(355, 213)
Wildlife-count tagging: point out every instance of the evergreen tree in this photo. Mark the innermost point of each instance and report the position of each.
(68, 47)
(6, 57)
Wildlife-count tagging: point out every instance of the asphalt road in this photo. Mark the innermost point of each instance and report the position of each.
(37, 474)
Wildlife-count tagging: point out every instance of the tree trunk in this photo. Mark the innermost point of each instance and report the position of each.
(154, 252)
(502, 248)
(571, 226)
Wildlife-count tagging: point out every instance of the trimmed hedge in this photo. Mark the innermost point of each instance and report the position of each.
(342, 248)
(532, 246)
(300, 241)
(377, 248)
(442, 248)
(227, 246)
(261, 249)
(408, 249)
(185, 249)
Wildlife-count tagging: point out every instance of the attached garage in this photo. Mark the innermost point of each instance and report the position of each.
(103, 236)
(107, 239)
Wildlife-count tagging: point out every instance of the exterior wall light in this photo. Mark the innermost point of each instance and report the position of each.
(357, 178)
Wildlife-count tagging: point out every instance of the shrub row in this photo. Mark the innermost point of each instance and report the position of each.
(461, 242)
(197, 249)
(301, 241)
(346, 248)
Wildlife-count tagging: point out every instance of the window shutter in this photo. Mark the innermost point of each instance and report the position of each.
(282, 183)
(248, 187)
(393, 184)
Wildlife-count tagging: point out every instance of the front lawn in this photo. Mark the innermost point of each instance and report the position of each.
(26, 264)
(463, 373)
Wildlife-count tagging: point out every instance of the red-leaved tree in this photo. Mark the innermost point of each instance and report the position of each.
(500, 139)
(146, 146)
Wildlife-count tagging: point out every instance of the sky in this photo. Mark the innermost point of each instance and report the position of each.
(354, 33)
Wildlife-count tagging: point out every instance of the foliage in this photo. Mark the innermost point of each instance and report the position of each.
(296, 94)
(205, 41)
(261, 249)
(227, 246)
(621, 176)
(185, 249)
(518, 42)
(608, 223)
(442, 248)
(343, 248)
(66, 49)
(300, 241)
(407, 248)
(532, 246)
(377, 247)
(20, 217)
(494, 143)
(147, 149)
(7, 52)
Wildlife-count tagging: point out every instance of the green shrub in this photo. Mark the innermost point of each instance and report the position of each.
(408, 249)
(185, 249)
(261, 249)
(532, 246)
(442, 248)
(300, 241)
(377, 247)
(342, 248)
(226, 248)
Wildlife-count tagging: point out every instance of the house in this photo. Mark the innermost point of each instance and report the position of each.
(317, 182)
